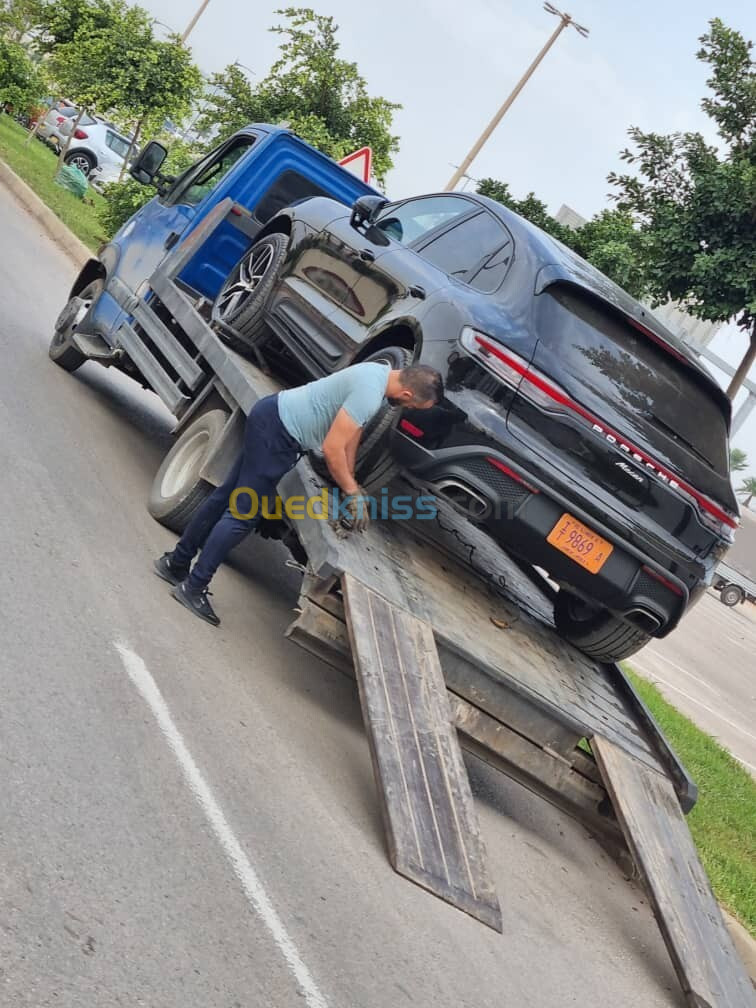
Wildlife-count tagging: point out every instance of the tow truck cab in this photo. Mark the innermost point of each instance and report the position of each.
(263, 168)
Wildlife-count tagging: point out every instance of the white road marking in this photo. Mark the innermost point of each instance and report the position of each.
(251, 884)
(702, 682)
(705, 707)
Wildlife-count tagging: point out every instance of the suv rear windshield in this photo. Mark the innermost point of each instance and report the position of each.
(628, 370)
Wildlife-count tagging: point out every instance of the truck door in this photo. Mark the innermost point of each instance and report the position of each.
(163, 222)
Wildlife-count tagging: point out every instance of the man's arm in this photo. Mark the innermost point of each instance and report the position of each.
(340, 451)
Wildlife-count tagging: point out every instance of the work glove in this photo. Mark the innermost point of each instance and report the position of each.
(355, 511)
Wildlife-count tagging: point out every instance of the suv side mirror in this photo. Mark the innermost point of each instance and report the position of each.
(366, 209)
(146, 166)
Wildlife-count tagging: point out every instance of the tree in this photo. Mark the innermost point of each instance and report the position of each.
(609, 241)
(17, 17)
(322, 96)
(694, 203)
(738, 460)
(119, 67)
(123, 199)
(748, 489)
(22, 83)
(60, 21)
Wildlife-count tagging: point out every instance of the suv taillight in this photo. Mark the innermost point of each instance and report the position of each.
(80, 134)
(543, 392)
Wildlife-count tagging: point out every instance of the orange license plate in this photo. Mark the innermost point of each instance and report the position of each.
(580, 543)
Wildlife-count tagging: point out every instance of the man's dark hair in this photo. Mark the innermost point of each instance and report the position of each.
(424, 382)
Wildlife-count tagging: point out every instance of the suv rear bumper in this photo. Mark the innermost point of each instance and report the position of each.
(520, 513)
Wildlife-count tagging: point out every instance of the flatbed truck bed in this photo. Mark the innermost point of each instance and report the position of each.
(565, 726)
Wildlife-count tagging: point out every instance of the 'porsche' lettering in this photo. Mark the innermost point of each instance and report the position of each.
(614, 440)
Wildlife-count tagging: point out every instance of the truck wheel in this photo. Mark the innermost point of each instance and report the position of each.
(375, 466)
(596, 632)
(244, 297)
(62, 350)
(178, 489)
(730, 595)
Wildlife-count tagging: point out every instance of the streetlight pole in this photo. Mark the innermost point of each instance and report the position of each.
(197, 15)
(245, 67)
(565, 20)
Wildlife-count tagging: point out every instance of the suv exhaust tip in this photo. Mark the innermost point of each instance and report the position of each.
(464, 499)
(644, 620)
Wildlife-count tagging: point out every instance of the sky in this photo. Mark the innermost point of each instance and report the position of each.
(451, 64)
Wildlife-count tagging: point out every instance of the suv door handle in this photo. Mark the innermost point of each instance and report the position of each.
(367, 255)
(171, 240)
(417, 292)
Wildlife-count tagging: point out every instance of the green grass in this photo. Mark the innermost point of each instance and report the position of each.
(36, 165)
(723, 822)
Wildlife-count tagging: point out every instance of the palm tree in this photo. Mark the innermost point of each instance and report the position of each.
(748, 490)
(738, 460)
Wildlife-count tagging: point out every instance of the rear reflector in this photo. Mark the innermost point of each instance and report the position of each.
(410, 428)
(662, 580)
(512, 474)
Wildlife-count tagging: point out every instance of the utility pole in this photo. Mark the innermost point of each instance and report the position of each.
(197, 15)
(565, 20)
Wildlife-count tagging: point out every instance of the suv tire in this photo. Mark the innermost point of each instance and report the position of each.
(244, 326)
(596, 632)
(82, 160)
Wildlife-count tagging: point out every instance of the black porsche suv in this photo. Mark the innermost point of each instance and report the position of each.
(576, 429)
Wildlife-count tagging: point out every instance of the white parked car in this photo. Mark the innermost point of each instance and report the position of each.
(97, 149)
(59, 113)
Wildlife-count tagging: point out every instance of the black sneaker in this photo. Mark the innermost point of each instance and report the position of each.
(196, 602)
(165, 570)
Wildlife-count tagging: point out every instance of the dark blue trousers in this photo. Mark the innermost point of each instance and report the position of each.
(268, 453)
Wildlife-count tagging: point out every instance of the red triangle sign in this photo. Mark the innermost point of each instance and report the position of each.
(359, 163)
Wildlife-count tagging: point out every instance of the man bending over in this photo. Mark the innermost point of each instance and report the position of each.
(329, 414)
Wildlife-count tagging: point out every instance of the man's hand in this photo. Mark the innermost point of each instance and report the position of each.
(355, 511)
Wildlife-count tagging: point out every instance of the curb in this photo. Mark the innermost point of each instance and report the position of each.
(744, 944)
(65, 239)
(79, 253)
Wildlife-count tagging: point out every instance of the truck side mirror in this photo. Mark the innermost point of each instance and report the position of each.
(365, 210)
(146, 166)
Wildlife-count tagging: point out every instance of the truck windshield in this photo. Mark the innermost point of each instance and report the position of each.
(600, 351)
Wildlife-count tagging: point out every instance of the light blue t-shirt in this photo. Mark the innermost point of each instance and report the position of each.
(307, 412)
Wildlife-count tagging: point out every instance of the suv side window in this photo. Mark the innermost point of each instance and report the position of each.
(465, 249)
(118, 144)
(410, 221)
(202, 178)
(491, 274)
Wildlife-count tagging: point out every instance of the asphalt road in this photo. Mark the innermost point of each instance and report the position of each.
(188, 815)
(707, 669)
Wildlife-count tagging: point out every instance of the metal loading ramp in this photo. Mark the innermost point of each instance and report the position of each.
(407, 597)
